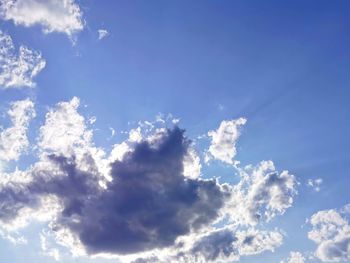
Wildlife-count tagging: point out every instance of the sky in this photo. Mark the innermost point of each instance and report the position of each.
(174, 131)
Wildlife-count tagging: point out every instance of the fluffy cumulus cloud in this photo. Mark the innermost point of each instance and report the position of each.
(295, 257)
(64, 131)
(62, 16)
(262, 193)
(18, 69)
(13, 139)
(223, 141)
(331, 232)
(145, 200)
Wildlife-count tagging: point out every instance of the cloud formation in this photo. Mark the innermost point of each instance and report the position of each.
(13, 140)
(102, 33)
(147, 204)
(331, 232)
(62, 16)
(294, 257)
(64, 131)
(18, 69)
(146, 196)
(149, 201)
(261, 194)
(223, 141)
(223, 245)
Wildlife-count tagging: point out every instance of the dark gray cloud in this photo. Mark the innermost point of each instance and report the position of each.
(147, 205)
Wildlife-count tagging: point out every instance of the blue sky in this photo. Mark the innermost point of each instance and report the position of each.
(281, 66)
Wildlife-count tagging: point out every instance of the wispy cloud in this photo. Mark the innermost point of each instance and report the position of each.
(17, 69)
(315, 184)
(294, 257)
(102, 33)
(13, 140)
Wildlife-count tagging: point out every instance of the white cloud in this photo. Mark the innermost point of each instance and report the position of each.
(13, 140)
(315, 184)
(261, 194)
(295, 257)
(118, 151)
(223, 245)
(331, 232)
(253, 241)
(18, 70)
(102, 33)
(135, 135)
(47, 248)
(62, 16)
(192, 164)
(65, 130)
(66, 133)
(223, 141)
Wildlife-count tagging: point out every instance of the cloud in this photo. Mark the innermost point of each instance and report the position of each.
(62, 16)
(144, 199)
(135, 135)
(226, 245)
(46, 247)
(295, 257)
(192, 164)
(331, 232)
(149, 201)
(13, 140)
(65, 131)
(223, 141)
(147, 205)
(223, 245)
(262, 194)
(315, 184)
(18, 70)
(102, 33)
